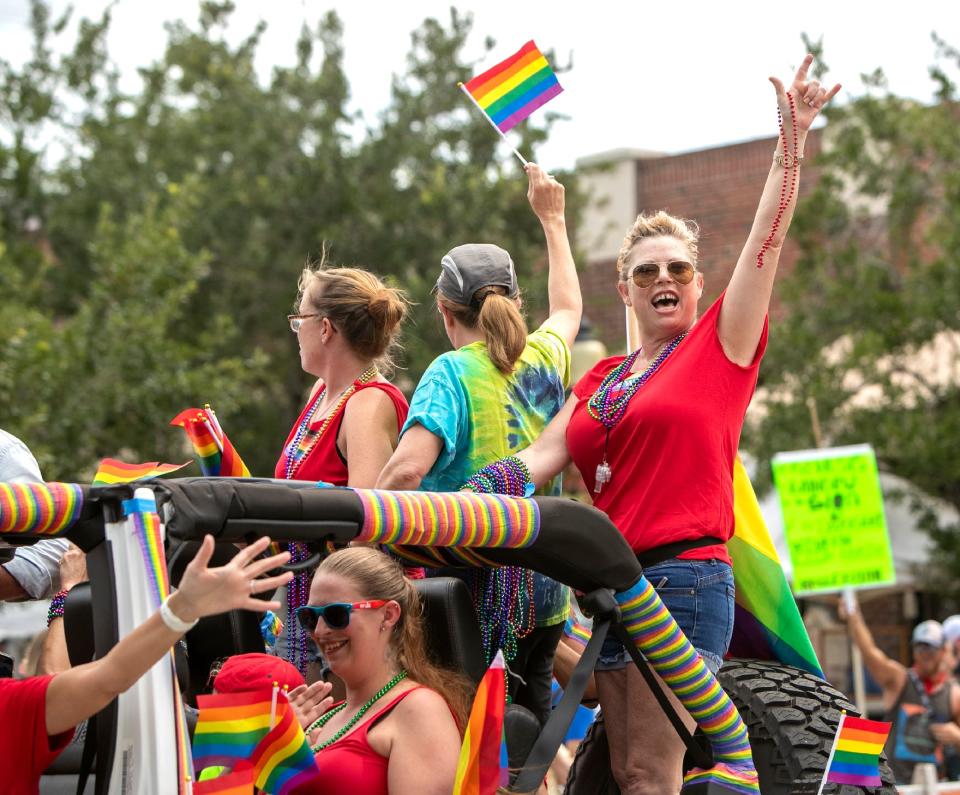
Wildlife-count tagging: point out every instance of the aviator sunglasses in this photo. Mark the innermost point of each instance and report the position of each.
(646, 273)
(336, 615)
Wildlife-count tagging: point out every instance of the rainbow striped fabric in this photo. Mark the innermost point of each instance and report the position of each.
(767, 624)
(440, 519)
(283, 760)
(515, 88)
(111, 470)
(482, 766)
(146, 525)
(214, 451)
(237, 782)
(39, 508)
(657, 635)
(855, 758)
(230, 726)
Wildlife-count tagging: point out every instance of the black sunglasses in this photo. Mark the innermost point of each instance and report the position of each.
(335, 615)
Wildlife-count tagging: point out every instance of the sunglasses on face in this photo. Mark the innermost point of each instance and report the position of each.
(335, 615)
(646, 273)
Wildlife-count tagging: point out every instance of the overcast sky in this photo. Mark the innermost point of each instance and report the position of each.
(665, 76)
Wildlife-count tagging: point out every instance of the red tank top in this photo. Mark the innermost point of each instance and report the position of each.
(350, 764)
(323, 461)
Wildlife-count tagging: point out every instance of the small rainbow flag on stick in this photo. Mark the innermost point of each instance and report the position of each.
(230, 726)
(513, 89)
(855, 756)
(111, 471)
(483, 764)
(215, 453)
(283, 760)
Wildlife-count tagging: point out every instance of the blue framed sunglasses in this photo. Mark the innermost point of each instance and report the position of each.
(335, 615)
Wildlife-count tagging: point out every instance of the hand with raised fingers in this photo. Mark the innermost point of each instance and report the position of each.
(809, 97)
(545, 194)
(206, 592)
(309, 702)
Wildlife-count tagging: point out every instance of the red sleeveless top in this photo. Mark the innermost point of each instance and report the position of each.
(350, 764)
(323, 461)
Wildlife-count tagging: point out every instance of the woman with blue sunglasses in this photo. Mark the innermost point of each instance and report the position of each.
(366, 618)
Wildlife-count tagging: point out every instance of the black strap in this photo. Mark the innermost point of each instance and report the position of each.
(651, 557)
(544, 750)
(702, 757)
(89, 754)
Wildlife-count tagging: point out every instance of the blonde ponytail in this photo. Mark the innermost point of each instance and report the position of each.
(499, 320)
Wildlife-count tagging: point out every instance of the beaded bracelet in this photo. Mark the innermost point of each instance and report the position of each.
(56, 606)
(507, 476)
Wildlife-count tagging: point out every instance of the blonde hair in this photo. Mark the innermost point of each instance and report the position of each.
(659, 224)
(499, 320)
(360, 305)
(378, 576)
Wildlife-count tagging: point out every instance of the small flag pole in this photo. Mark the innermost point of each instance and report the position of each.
(502, 134)
(213, 418)
(273, 703)
(833, 750)
(213, 433)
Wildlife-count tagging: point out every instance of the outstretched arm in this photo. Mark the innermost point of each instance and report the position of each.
(887, 673)
(83, 691)
(547, 198)
(748, 295)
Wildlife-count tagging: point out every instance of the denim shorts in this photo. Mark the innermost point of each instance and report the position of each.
(699, 595)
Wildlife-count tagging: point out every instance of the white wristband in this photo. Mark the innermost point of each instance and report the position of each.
(173, 621)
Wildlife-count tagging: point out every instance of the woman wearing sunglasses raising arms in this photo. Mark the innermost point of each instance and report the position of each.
(396, 732)
(347, 322)
(655, 435)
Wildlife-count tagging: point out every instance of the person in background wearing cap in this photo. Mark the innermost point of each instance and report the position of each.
(922, 702)
(490, 397)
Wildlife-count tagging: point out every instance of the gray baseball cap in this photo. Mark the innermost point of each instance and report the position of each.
(467, 268)
(930, 633)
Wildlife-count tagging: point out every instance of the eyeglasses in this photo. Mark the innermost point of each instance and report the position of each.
(297, 320)
(336, 615)
(646, 273)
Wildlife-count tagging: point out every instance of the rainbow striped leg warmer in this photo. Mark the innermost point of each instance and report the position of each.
(672, 656)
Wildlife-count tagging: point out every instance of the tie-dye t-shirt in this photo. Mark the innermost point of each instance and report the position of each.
(482, 415)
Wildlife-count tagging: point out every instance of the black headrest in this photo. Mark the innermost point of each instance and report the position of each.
(452, 632)
(78, 624)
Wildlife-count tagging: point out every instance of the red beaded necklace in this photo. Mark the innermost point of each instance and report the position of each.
(789, 176)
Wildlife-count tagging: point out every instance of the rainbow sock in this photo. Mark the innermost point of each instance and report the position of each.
(672, 656)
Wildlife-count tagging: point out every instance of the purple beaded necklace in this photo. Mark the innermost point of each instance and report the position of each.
(609, 403)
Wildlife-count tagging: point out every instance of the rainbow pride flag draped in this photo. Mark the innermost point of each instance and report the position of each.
(483, 764)
(230, 727)
(515, 88)
(283, 760)
(855, 756)
(111, 470)
(767, 623)
(237, 782)
(214, 451)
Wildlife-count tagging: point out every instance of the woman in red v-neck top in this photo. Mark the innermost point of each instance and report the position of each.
(347, 322)
(397, 730)
(655, 434)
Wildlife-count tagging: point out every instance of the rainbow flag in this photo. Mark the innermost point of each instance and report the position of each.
(111, 470)
(230, 726)
(214, 451)
(515, 88)
(855, 756)
(483, 765)
(767, 624)
(237, 782)
(283, 760)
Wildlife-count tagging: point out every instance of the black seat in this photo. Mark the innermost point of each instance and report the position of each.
(78, 624)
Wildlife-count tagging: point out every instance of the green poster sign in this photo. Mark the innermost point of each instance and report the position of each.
(833, 518)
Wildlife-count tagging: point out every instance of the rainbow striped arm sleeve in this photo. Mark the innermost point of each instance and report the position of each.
(39, 508)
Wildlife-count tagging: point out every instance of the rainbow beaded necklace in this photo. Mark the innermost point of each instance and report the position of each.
(609, 403)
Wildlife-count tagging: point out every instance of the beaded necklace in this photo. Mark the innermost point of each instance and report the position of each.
(789, 173)
(609, 403)
(298, 590)
(322, 721)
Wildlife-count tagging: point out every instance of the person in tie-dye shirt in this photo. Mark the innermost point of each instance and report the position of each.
(492, 396)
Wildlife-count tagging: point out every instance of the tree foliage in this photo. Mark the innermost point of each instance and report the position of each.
(151, 240)
(871, 326)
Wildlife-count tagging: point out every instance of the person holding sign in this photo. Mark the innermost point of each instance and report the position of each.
(922, 702)
(655, 435)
